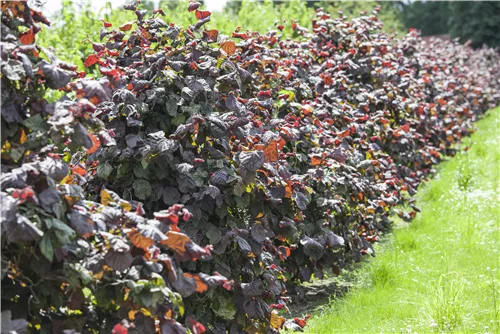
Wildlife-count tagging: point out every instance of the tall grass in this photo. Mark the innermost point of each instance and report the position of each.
(446, 306)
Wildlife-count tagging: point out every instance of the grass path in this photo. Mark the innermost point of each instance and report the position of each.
(440, 274)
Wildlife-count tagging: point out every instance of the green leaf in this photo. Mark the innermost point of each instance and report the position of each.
(214, 234)
(239, 189)
(242, 202)
(87, 293)
(36, 123)
(104, 296)
(171, 106)
(181, 119)
(146, 298)
(225, 310)
(141, 172)
(157, 296)
(75, 271)
(104, 170)
(16, 153)
(46, 247)
(142, 189)
(64, 233)
(71, 276)
(192, 109)
(199, 177)
(135, 287)
(123, 170)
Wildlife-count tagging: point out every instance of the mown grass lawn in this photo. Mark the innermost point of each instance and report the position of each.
(441, 273)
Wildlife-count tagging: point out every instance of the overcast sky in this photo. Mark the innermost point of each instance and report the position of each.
(52, 6)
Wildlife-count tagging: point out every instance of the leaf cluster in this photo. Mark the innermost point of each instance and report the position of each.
(70, 264)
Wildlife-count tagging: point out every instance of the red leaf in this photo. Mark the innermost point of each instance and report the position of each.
(126, 26)
(301, 322)
(119, 329)
(27, 37)
(139, 240)
(23, 194)
(315, 160)
(197, 327)
(96, 145)
(327, 79)
(91, 60)
(271, 151)
(241, 35)
(106, 24)
(211, 35)
(176, 241)
(201, 14)
(200, 285)
(306, 110)
(229, 47)
(345, 133)
(266, 94)
(405, 127)
(78, 169)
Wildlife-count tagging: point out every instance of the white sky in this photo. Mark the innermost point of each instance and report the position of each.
(52, 6)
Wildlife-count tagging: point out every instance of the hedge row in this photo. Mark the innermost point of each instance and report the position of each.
(216, 171)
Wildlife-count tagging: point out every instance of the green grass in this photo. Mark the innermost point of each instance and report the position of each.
(441, 273)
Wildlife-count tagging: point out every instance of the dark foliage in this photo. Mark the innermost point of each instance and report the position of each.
(69, 264)
(282, 158)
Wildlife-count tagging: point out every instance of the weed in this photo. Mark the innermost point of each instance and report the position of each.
(381, 274)
(446, 303)
(405, 242)
(464, 174)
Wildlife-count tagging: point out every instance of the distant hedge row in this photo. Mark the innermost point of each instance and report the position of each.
(193, 184)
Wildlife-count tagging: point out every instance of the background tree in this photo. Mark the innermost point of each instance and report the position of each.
(431, 17)
(478, 21)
